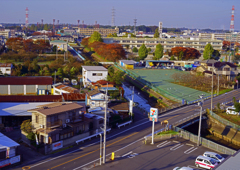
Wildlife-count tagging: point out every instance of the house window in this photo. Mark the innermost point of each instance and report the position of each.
(3, 155)
(227, 69)
(37, 118)
(97, 74)
(7, 69)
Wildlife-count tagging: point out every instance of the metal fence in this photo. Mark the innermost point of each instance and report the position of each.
(204, 142)
(224, 121)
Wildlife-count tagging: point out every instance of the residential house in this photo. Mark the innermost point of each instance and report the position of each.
(30, 85)
(129, 64)
(6, 68)
(95, 98)
(93, 74)
(121, 108)
(58, 121)
(8, 151)
(59, 89)
(61, 45)
(226, 69)
(102, 84)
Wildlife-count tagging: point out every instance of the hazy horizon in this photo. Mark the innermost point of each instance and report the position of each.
(212, 14)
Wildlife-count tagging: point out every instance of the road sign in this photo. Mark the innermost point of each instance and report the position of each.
(153, 114)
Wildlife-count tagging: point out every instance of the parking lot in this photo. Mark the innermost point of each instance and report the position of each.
(164, 155)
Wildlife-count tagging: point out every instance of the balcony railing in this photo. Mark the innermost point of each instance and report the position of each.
(53, 124)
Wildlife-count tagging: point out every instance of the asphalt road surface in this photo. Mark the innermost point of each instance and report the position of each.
(120, 140)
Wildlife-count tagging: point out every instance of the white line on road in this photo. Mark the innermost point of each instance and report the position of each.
(163, 144)
(190, 150)
(127, 154)
(176, 147)
(108, 154)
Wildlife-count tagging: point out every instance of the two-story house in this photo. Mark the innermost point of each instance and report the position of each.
(95, 98)
(93, 74)
(58, 121)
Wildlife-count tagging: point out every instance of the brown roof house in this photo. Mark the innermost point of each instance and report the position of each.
(60, 124)
(59, 89)
(29, 85)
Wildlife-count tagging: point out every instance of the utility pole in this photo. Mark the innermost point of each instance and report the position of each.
(105, 127)
(218, 86)
(55, 78)
(212, 89)
(100, 149)
(200, 119)
(132, 102)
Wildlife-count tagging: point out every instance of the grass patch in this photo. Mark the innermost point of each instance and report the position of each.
(168, 132)
(232, 118)
(225, 91)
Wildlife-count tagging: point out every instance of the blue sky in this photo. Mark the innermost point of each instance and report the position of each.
(214, 14)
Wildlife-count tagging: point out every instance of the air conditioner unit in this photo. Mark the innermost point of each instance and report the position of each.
(64, 125)
(41, 126)
(67, 120)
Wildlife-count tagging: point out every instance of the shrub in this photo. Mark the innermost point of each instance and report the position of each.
(26, 126)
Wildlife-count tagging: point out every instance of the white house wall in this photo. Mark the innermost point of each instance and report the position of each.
(88, 76)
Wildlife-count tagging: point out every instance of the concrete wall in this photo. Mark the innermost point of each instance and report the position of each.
(24, 138)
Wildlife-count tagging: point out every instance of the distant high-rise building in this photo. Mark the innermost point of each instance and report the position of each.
(160, 29)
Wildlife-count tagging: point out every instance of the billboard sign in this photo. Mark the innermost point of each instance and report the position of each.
(57, 145)
(153, 114)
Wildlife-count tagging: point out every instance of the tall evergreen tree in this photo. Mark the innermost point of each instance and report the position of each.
(158, 52)
(143, 52)
(207, 53)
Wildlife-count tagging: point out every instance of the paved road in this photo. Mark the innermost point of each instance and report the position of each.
(164, 155)
(120, 140)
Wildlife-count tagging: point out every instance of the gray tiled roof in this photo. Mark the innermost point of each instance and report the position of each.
(94, 68)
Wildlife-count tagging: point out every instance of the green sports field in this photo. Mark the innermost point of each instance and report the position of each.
(162, 79)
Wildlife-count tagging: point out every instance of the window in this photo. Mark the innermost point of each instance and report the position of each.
(226, 69)
(7, 69)
(37, 118)
(96, 74)
(205, 161)
(200, 159)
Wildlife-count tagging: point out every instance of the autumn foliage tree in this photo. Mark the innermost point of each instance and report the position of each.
(185, 53)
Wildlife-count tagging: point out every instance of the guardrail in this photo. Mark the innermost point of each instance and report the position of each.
(89, 137)
(76, 52)
(198, 100)
(123, 124)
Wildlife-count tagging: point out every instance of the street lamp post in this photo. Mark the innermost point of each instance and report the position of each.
(100, 149)
(200, 119)
(212, 89)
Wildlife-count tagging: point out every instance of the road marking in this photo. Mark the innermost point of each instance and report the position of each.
(133, 155)
(93, 151)
(108, 154)
(127, 154)
(189, 144)
(176, 147)
(163, 144)
(190, 150)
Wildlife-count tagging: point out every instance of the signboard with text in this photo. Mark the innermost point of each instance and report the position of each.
(57, 145)
(153, 114)
(10, 161)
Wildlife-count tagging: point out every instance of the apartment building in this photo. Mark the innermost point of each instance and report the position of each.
(103, 31)
(6, 68)
(220, 36)
(5, 33)
(167, 43)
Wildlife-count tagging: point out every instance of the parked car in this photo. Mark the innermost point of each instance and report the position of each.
(231, 111)
(169, 67)
(213, 155)
(205, 162)
(74, 82)
(183, 168)
(183, 69)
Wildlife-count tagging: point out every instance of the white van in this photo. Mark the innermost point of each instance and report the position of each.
(205, 162)
(213, 155)
(231, 110)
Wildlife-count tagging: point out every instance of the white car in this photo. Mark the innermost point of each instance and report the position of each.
(183, 168)
(205, 162)
(213, 155)
(231, 110)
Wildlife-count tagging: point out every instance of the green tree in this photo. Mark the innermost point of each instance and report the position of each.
(73, 71)
(60, 72)
(96, 36)
(149, 50)
(158, 52)
(156, 34)
(46, 27)
(207, 53)
(135, 50)
(172, 58)
(26, 126)
(180, 55)
(237, 106)
(142, 52)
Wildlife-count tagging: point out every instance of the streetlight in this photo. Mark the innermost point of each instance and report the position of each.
(200, 118)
